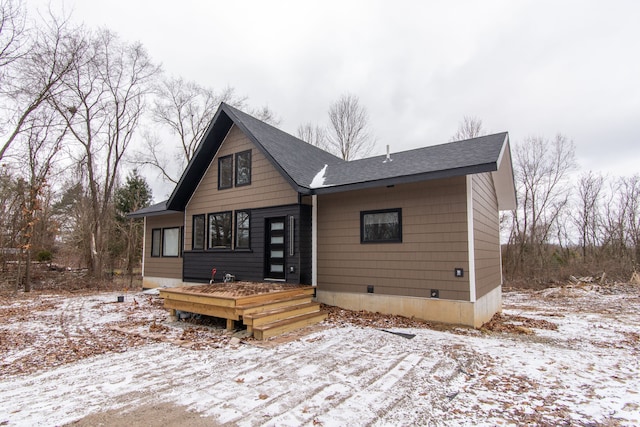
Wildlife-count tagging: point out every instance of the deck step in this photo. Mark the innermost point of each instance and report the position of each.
(267, 305)
(281, 313)
(283, 326)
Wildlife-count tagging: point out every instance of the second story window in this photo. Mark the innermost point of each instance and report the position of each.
(225, 172)
(243, 168)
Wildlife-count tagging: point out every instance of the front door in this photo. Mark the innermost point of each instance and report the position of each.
(275, 249)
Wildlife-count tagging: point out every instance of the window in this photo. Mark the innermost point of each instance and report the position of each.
(225, 172)
(243, 168)
(199, 232)
(242, 230)
(220, 230)
(156, 235)
(171, 242)
(383, 226)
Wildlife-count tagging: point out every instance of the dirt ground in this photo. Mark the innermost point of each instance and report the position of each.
(564, 355)
(165, 414)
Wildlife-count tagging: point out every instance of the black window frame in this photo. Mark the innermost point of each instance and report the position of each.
(230, 231)
(178, 243)
(221, 162)
(236, 230)
(397, 239)
(237, 168)
(156, 252)
(203, 239)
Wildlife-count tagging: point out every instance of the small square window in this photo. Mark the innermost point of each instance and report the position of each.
(383, 226)
(243, 168)
(225, 172)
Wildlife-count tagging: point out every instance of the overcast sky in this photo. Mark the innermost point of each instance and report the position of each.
(526, 67)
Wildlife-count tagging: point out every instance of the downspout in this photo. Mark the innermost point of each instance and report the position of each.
(314, 240)
(470, 238)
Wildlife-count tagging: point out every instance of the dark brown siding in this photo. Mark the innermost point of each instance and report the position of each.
(249, 265)
(170, 267)
(435, 241)
(486, 232)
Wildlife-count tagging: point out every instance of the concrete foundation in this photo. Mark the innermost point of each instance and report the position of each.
(160, 282)
(430, 309)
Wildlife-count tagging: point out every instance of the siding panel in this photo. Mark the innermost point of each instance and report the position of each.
(486, 230)
(249, 265)
(169, 267)
(434, 234)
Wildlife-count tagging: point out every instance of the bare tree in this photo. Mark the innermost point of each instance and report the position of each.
(35, 70)
(102, 107)
(587, 216)
(349, 133)
(42, 145)
(630, 196)
(469, 127)
(13, 37)
(314, 135)
(185, 109)
(542, 170)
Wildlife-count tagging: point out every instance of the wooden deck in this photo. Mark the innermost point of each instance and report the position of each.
(266, 309)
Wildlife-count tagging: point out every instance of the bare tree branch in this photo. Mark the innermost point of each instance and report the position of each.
(469, 127)
(349, 133)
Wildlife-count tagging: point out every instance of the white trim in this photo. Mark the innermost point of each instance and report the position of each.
(144, 241)
(505, 143)
(314, 240)
(470, 238)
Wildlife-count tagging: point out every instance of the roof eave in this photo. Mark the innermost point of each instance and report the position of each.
(157, 213)
(407, 179)
(197, 165)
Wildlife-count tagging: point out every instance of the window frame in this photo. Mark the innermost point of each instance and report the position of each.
(363, 214)
(178, 242)
(237, 169)
(203, 240)
(222, 160)
(230, 233)
(236, 230)
(156, 252)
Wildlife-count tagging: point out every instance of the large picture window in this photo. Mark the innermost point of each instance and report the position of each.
(220, 230)
(199, 232)
(242, 230)
(171, 242)
(383, 226)
(243, 168)
(225, 172)
(156, 241)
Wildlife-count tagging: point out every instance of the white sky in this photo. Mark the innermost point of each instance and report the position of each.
(526, 67)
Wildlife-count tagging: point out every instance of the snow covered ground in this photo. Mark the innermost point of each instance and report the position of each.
(575, 361)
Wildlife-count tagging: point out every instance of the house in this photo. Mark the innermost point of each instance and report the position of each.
(414, 233)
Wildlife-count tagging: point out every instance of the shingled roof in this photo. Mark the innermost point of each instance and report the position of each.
(310, 170)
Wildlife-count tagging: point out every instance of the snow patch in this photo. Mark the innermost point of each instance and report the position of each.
(318, 180)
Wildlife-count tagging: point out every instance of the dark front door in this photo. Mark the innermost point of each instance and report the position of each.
(274, 250)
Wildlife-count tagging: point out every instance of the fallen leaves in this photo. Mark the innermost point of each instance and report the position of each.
(501, 322)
